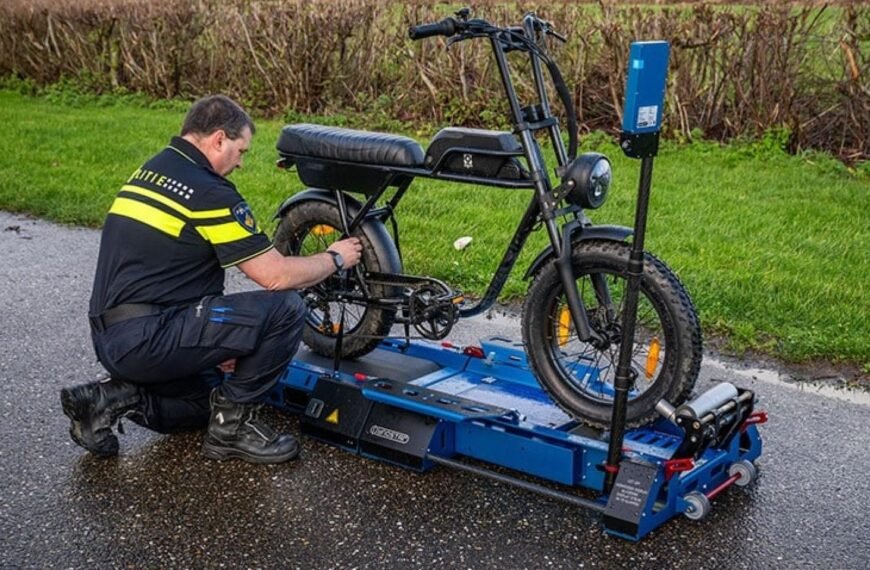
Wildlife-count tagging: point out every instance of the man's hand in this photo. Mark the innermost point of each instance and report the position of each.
(274, 272)
(350, 250)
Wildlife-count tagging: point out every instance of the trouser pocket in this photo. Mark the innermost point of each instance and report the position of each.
(222, 322)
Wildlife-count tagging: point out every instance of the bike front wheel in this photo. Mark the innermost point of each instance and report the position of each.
(666, 356)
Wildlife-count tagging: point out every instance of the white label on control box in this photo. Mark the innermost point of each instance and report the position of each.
(646, 116)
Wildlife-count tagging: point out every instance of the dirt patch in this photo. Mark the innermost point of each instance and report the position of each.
(846, 375)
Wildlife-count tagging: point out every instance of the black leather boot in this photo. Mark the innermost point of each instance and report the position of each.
(94, 409)
(234, 430)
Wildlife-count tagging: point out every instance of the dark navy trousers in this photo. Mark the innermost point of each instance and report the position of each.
(174, 355)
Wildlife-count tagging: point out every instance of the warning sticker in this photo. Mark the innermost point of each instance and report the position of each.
(646, 116)
(333, 417)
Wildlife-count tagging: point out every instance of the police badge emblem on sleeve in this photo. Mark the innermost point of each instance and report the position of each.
(243, 214)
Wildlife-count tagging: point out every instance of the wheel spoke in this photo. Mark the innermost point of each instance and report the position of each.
(313, 239)
(576, 358)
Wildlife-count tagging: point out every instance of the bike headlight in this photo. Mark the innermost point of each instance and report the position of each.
(588, 180)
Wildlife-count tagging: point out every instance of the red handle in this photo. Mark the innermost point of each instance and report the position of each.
(754, 418)
(678, 465)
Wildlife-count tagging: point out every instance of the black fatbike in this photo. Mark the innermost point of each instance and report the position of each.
(572, 313)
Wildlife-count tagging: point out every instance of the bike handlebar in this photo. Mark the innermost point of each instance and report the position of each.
(446, 27)
(515, 38)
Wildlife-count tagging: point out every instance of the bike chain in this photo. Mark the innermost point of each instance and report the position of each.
(399, 280)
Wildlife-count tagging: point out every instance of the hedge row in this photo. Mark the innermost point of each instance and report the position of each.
(735, 70)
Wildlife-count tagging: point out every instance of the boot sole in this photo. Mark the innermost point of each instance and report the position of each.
(76, 409)
(224, 453)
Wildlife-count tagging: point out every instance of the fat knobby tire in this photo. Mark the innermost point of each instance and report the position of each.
(294, 225)
(679, 323)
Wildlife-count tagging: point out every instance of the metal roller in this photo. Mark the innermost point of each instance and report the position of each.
(710, 400)
(666, 410)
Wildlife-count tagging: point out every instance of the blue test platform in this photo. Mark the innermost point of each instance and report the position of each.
(422, 404)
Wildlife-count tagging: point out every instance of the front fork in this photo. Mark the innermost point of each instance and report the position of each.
(579, 317)
(561, 243)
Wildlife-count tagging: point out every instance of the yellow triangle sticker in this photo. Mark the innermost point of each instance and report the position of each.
(333, 417)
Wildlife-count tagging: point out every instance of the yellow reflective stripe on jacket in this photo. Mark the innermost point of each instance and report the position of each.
(203, 214)
(149, 215)
(223, 233)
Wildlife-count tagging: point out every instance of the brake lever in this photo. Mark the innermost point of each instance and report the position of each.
(457, 38)
(462, 36)
(547, 27)
(557, 35)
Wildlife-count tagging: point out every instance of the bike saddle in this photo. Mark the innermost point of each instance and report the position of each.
(334, 143)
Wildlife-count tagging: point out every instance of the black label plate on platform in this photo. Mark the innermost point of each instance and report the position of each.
(397, 435)
(629, 496)
(336, 413)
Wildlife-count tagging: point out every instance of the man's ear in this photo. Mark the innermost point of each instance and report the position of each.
(219, 138)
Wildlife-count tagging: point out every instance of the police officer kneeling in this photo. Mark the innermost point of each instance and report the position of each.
(160, 322)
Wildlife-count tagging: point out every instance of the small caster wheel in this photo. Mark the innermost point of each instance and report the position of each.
(699, 506)
(746, 470)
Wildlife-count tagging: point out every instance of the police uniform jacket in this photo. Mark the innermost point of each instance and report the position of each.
(170, 233)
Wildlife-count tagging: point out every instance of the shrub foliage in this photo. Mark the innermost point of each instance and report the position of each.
(736, 71)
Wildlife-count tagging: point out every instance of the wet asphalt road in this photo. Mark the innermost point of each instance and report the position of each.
(160, 505)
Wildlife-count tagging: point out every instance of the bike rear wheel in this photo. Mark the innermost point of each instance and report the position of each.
(667, 343)
(308, 227)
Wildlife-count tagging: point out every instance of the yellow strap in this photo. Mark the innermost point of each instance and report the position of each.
(203, 214)
(223, 233)
(149, 215)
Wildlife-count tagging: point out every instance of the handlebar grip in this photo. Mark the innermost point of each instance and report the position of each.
(446, 27)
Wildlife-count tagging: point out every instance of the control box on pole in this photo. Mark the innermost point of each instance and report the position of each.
(644, 98)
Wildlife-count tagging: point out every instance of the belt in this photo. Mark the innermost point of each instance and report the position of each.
(124, 312)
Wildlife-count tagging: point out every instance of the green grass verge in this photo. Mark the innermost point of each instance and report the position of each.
(772, 247)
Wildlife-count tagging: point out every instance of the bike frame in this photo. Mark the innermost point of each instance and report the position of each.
(544, 206)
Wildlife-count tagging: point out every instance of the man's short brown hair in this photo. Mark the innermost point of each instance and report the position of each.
(217, 113)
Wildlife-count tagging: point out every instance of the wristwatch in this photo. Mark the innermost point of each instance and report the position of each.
(337, 259)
